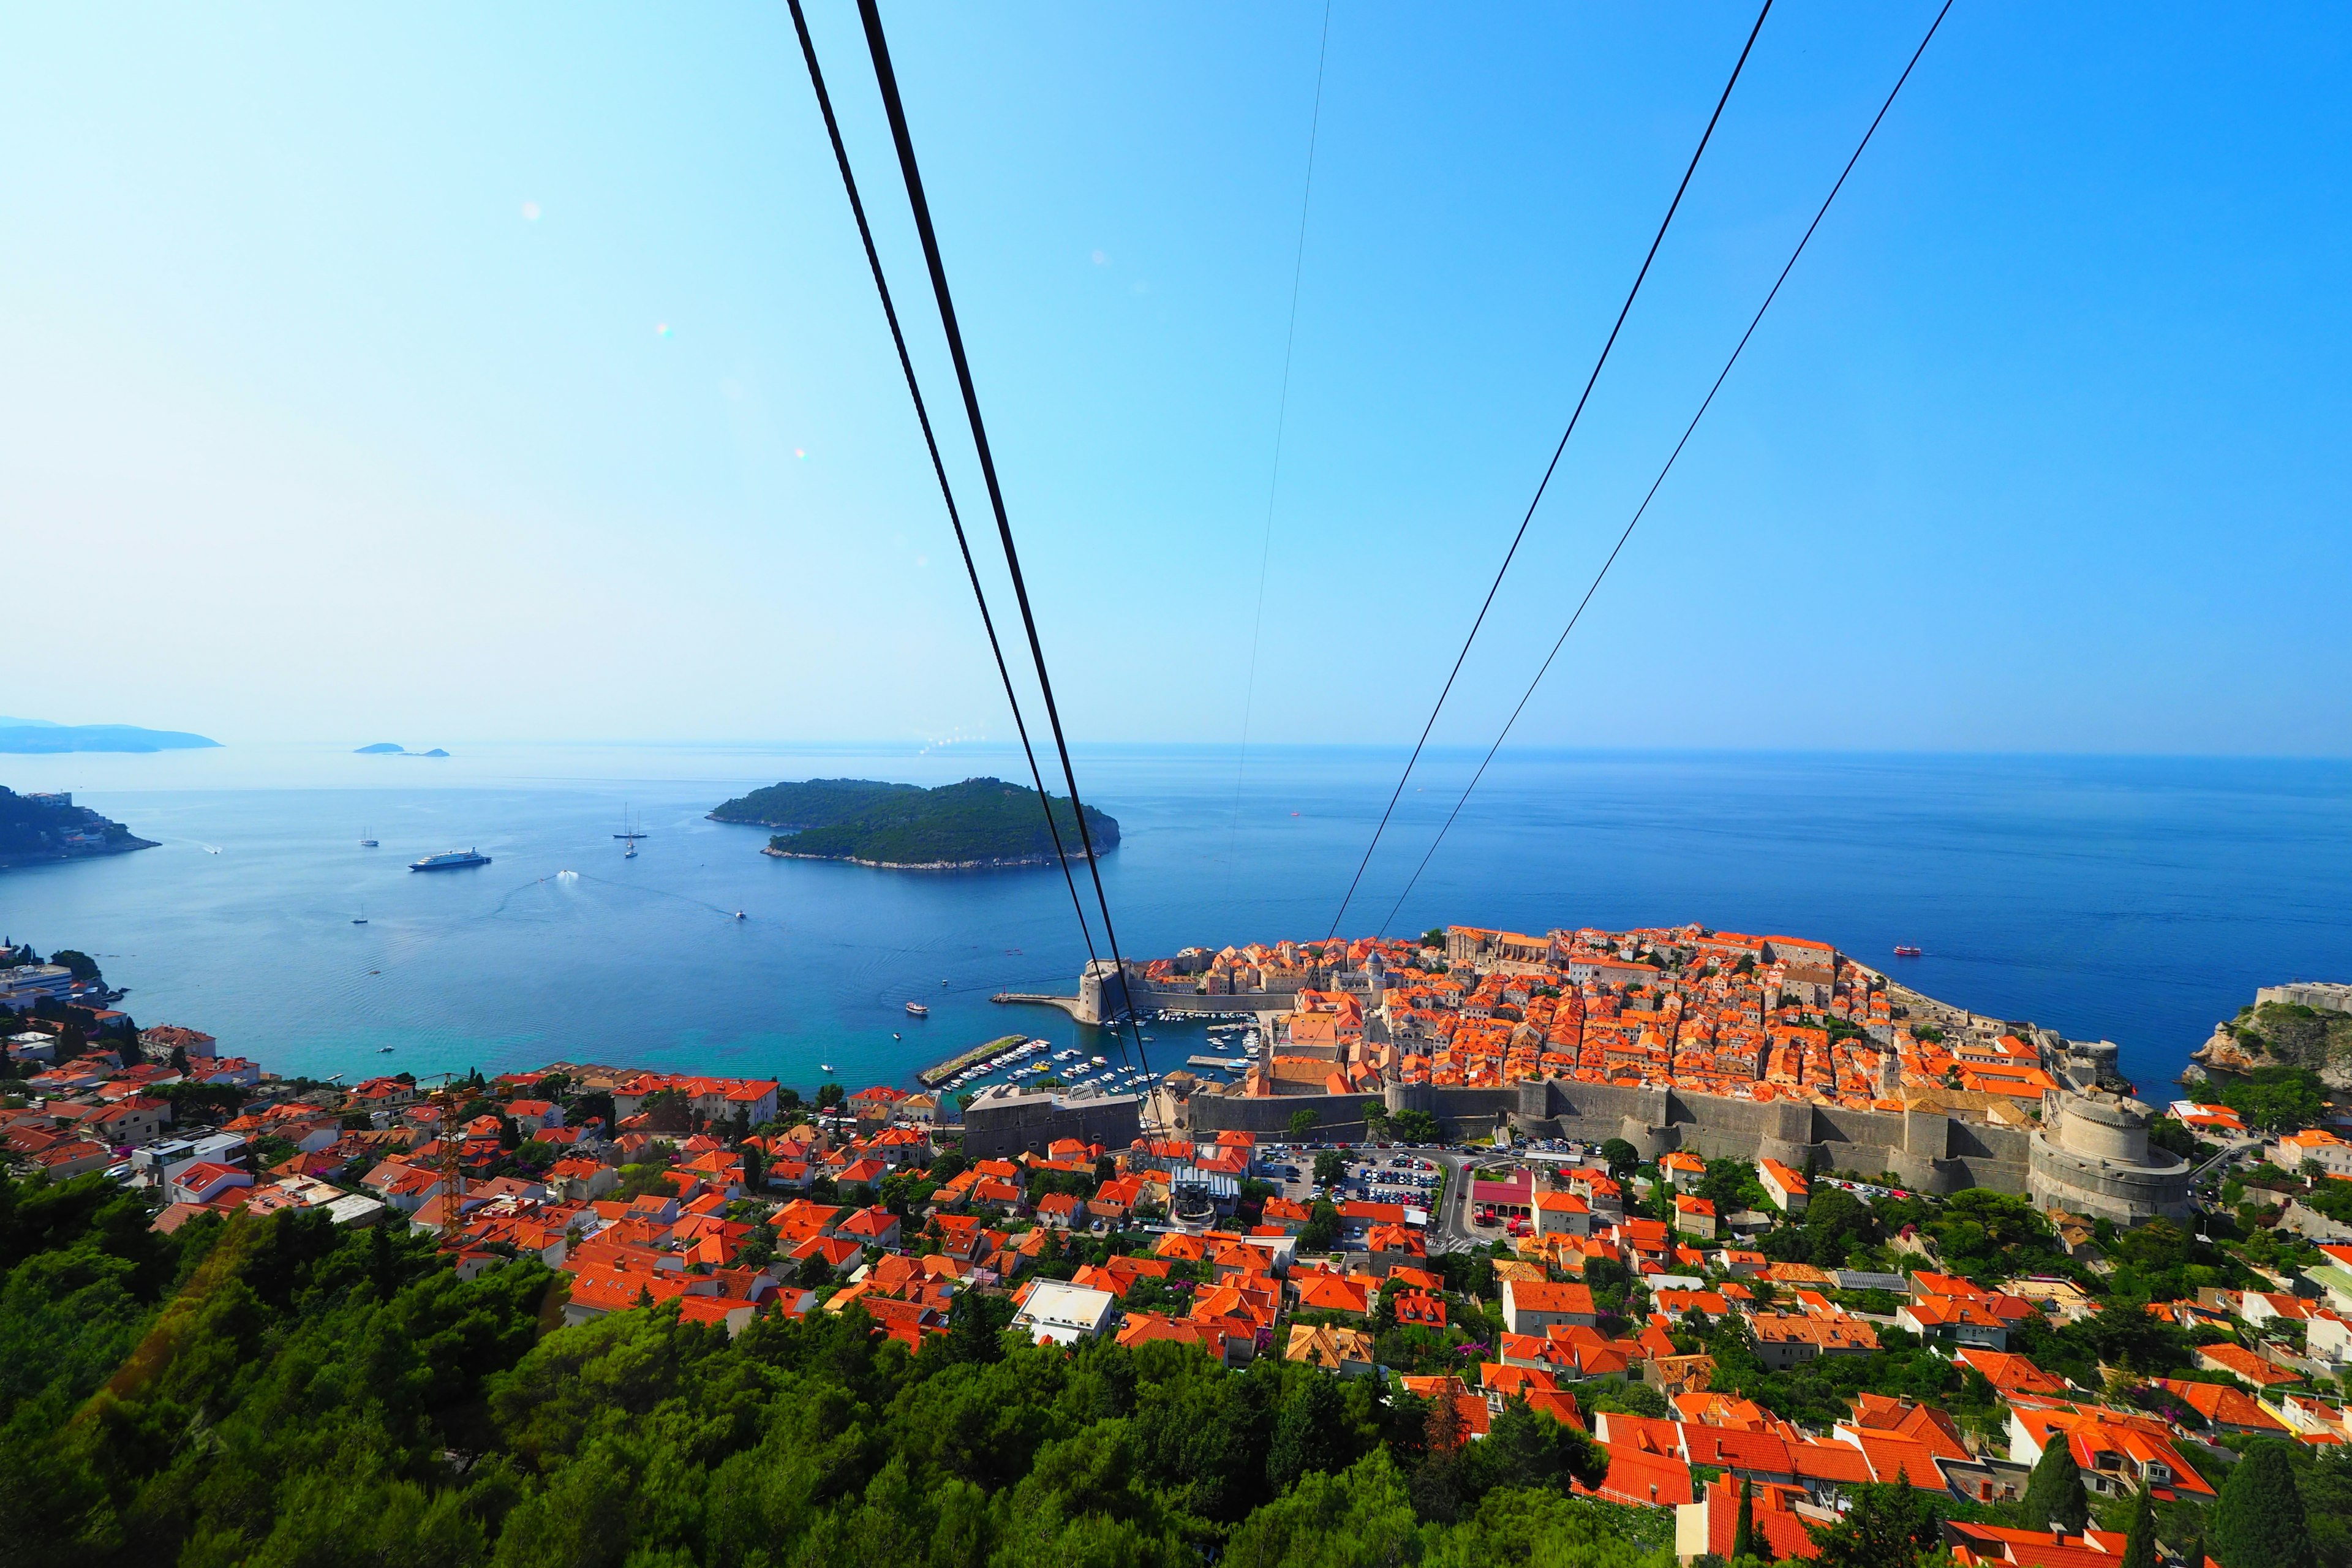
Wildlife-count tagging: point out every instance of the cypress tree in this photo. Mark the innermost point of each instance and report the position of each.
(2139, 1546)
(1743, 1528)
(2259, 1521)
(2054, 1493)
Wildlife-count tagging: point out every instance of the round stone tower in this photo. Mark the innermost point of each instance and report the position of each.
(2091, 1155)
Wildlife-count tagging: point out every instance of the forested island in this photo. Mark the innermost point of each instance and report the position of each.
(36, 827)
(978, 823)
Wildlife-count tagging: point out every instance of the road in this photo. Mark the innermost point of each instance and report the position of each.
(1449, 1228)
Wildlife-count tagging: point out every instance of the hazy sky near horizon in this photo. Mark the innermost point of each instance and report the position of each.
(436, 374)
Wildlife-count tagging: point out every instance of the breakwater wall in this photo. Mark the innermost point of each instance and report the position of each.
(1926, 1150)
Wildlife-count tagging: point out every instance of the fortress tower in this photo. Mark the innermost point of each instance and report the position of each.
(2091, 1155)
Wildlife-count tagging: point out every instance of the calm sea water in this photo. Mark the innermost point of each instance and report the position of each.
(2138, 900)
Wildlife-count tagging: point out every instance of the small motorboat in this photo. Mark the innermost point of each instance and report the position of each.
(1904, 950)
(739, 914)
(383, 1050)
(918, 1010)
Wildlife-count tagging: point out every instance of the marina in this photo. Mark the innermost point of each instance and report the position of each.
(1000, 1048)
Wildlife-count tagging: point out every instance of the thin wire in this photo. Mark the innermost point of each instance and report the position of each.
(1622, 313)
(1274, 477)
(1670, 457)
(888, 82)
(923, 416)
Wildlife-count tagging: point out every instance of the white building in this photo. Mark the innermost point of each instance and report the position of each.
(1062, 1313)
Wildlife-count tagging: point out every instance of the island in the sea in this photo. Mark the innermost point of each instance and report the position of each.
(394, 749)
(38, 827)
(976, 825)
(39, 737)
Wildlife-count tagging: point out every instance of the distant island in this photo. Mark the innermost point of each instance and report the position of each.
(394, 749)
(40, 827)
(975, 824)
(39, 737)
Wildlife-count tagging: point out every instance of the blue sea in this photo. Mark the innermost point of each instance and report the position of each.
(2131, 899)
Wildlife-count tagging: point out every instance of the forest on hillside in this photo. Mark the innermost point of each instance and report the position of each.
(273, 1391)
(981, 821)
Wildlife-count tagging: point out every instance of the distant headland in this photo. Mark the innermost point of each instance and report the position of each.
(40, 827)
(394, 749)
(39, 737)
(978, 825)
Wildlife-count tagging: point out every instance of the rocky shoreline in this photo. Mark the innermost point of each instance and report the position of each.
(1008, 863)
(51, 856)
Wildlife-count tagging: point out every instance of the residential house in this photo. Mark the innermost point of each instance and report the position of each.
(1531, 1307)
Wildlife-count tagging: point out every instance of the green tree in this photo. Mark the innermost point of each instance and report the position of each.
(2258, 1522)
(83, 965)
(1889, 1525)
(1302, 1125)
(1322, 1227)
(2139, 1543)
(974, 1332)
(1375, 1121)
(1743, 1524)
(1416, 1127)
(2276, 1098)
(2054, 1498)
(1623, 1157)
(831, 1095)
(1330, 1166)
(1311, 1433)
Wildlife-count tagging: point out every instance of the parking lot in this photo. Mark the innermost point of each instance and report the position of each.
(1375, 1175)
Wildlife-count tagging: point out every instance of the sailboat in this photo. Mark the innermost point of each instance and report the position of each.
(367, 840)
(629, 830)
(360, 919)
(631, 852)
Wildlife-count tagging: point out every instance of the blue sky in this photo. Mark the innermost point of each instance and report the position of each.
(336, 399)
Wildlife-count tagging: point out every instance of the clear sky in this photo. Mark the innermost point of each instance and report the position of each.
(434, 373)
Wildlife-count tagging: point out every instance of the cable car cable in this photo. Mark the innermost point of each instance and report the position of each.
(1704, 405)
(1574, 415)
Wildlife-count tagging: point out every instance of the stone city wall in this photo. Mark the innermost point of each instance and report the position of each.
(997, 1126)
(1931, 1152)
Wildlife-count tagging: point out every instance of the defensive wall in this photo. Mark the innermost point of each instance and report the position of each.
(1104, 995)
(1004, 1121)
(1925, 1150)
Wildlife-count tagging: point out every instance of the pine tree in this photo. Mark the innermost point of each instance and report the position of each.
(2054, 1498)
(1743, 1527)
(2139, 1546)
(2259, 1521)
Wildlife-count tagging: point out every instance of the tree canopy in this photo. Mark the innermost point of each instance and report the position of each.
(273, 1390)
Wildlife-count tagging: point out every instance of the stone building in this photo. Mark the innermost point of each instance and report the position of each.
(2091, 1155)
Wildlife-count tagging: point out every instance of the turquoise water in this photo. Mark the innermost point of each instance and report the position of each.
(2138, 900)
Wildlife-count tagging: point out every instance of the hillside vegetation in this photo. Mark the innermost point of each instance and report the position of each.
(271, 1390)
(983, 821)
(2294, 1034)
(35, 829)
